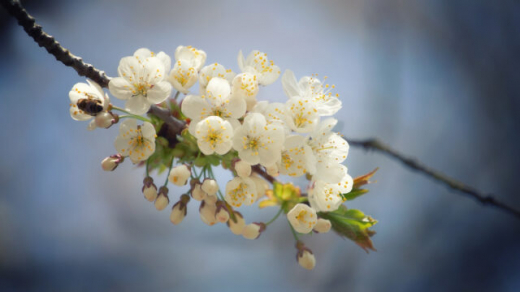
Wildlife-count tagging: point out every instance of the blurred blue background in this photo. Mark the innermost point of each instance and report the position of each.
(437, 79)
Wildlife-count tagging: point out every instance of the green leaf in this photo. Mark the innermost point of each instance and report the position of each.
(352, 224)
(354, 194)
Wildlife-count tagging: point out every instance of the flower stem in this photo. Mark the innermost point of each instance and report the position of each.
(147, 167)
(275, 217)
(194, 175)
(294, 233)
(176, 95)
(169, 170)
(130, 115)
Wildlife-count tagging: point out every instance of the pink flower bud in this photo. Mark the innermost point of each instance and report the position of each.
(304, 256)
(106, 119)
(253, 230)
(162, 199)
(207, 213)
(110, 163)
(179, 210)
(306, 259)
(222, 214)
(243, 168)
(197, 193)
(322, 226)
(236, 226)
(149, 189)
(210, 186)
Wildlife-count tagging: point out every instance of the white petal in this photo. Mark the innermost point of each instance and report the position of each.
(290, 84)
(79, 115)
(218, 88)
(166, 60)
(137, 105)
(143, 53)
(195, 107)
(120, 88)
(159, 92)
(128, 68)
(148, 131)
(271, 76)
(241, 60)
(121, 145)
(236, 107)
(153, 71)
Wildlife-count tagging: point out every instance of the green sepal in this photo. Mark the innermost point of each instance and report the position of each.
(354, 194)
(352, 224)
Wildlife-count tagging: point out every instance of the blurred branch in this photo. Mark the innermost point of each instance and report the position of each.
(15, 9)
(485, 199)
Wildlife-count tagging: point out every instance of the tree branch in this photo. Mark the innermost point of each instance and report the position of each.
(15, 9)
(485, 199)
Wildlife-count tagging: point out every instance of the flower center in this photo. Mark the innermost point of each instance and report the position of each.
(141, 88)
(238, 195)
(213, 138)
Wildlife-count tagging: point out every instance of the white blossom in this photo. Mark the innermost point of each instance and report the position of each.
(188, 62)
(261, 186)
(301, 114)
(141, 83)
(274, 113)
(240, 191)
(302, 218)
(183, 76)
(135, 141)
(245, 86)
(216, 102)
(328, 150)
(189, 53)
(259, 64)
(179, 175)
(294, 159)
(87, 101)
(144, 54)
(211, 71)
(311, 87)
(214, 135)
(326, 197)
(258, 142)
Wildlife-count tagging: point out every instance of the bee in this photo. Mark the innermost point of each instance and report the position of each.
(90, 106)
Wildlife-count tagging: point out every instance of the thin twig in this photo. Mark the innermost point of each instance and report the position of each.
(15, 9)
(485, 199)
(259, 170)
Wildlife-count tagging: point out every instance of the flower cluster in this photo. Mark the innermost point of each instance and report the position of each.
(223, 123)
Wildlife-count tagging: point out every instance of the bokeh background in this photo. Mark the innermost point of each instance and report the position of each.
(437, 79)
